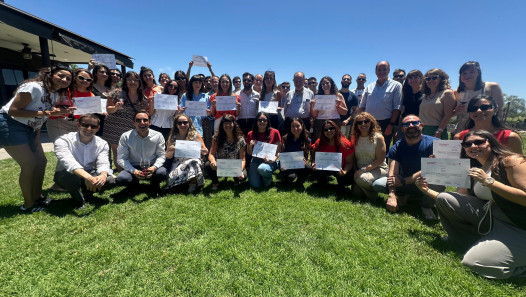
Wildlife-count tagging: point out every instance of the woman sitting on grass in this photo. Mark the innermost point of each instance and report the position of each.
(370, 150)
(296, 140)
(260, 171)
(227, 143)
(332, 141)
(184, 170)
(489, 219)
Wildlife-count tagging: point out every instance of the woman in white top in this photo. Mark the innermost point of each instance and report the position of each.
(20, 122)
(370, 150)
(438, 104)
(471, 85)
(327, 87)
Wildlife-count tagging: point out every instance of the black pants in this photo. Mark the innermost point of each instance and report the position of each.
(300, 175)
(321, 177)
(75, 185)
(245, 125)
(125, 178)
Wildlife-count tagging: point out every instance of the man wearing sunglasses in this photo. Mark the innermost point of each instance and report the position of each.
(383, 99)
(83, 163)
(404, 168)
(399, 75)
(360, 86)
(141, 154)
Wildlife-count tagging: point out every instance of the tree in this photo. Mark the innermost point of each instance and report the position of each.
(517, 106)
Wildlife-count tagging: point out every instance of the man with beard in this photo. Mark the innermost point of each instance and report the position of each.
(404, 168)
(399, 75)
(351, 101)
(249, 100)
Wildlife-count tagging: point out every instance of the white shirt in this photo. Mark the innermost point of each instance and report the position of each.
(249, 105)
(381, 101)
(72, 154)
(134, 148)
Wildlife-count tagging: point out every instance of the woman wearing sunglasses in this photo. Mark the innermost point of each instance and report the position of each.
(471, 85)
(162, 120)
(332, 141)
(488, 219)
(196, 92)
(184, 170)
(438, 104)
(370, 151)
(483, 115)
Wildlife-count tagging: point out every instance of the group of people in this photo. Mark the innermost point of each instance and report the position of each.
(414, 109)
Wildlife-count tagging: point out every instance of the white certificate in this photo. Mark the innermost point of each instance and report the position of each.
(446, 172)
(103, 103)
(325, 102)
(200, 61)
(270, 107)
(226, 103)
(86, 105)
(229, 167)
(328, 161)
(187, 149)
(262, 149)
(447, 149)
(165, 101)
(195, 108)
(106, 59)
(292, 160)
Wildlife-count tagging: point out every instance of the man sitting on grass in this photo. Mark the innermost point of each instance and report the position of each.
(141, 154)
(83, 163)
(405, 167)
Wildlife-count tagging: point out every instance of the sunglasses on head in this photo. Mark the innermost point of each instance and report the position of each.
(84, 125)
(407, 124)
(482, 107)
(329, 129)
(364, 122)
(477, 142)
(428, 78)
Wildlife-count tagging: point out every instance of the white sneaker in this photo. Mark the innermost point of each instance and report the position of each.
(428, 213)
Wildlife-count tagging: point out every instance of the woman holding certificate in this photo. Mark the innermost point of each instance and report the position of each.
(196, 92)
(102, 84)
(489, 219)
(438, 104)
(296, 140)
(332, 141)
(162, 120)
(225, 89)
(184, 170)
(327, 87)
(228, 143)
(370, 151)
(261, 167)
(483, 115)
(270, 92)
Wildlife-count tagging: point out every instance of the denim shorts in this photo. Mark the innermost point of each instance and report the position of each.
(15, 133)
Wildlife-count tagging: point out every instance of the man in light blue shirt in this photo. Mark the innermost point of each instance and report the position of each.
(298, 101)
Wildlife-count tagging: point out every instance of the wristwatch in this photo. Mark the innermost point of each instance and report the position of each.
(488, 181)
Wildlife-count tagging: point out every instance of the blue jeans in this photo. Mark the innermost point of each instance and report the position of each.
(260, 173)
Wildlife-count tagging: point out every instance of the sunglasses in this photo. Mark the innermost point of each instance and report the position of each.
(180, 123)
(313, 83)
(180, 78)
(237, 81)
(407, 124)
(361, 79)
(116, 74)
(482, 107)
(328, 129)
(428, 78)
(81, 78)
(364, 122)
(142, 120)
(247, 80)
(398, 76)
(286, 87)
(262, 120)
(84, 125)
(173, 87)
(477, 142)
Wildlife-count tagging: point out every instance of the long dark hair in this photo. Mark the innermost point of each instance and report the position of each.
(407, 90)
(264, 86)
(334, 90)
(255, 130)
(145, 69)
(220, 134)
(337, 136)
(45, 75)
(125, 84)
(304, 135)
(494, 119)
(96, 69)
(470, 64)
(190, 88)
(229, 91)
(74, 86)
(498, 151)
(165, 90)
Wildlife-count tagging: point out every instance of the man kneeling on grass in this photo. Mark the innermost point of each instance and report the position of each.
(83, 163)
(141, 154)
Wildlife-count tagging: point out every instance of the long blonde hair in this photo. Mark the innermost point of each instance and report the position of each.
(373, 128)
(192, 132)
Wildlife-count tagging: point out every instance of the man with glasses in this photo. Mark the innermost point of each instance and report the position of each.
(297, 102)
(360, 86)
(249, 100)
(405, 167)
(83, 164)
(141, 154)
(399, 75)
(313, 84)
(237, 84)
(116, 77)
(351, 101)
(383, 99)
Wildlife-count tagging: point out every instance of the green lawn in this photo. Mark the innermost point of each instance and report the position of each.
(282, 241)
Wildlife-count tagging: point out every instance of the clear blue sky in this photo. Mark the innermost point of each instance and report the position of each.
(317, 37)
